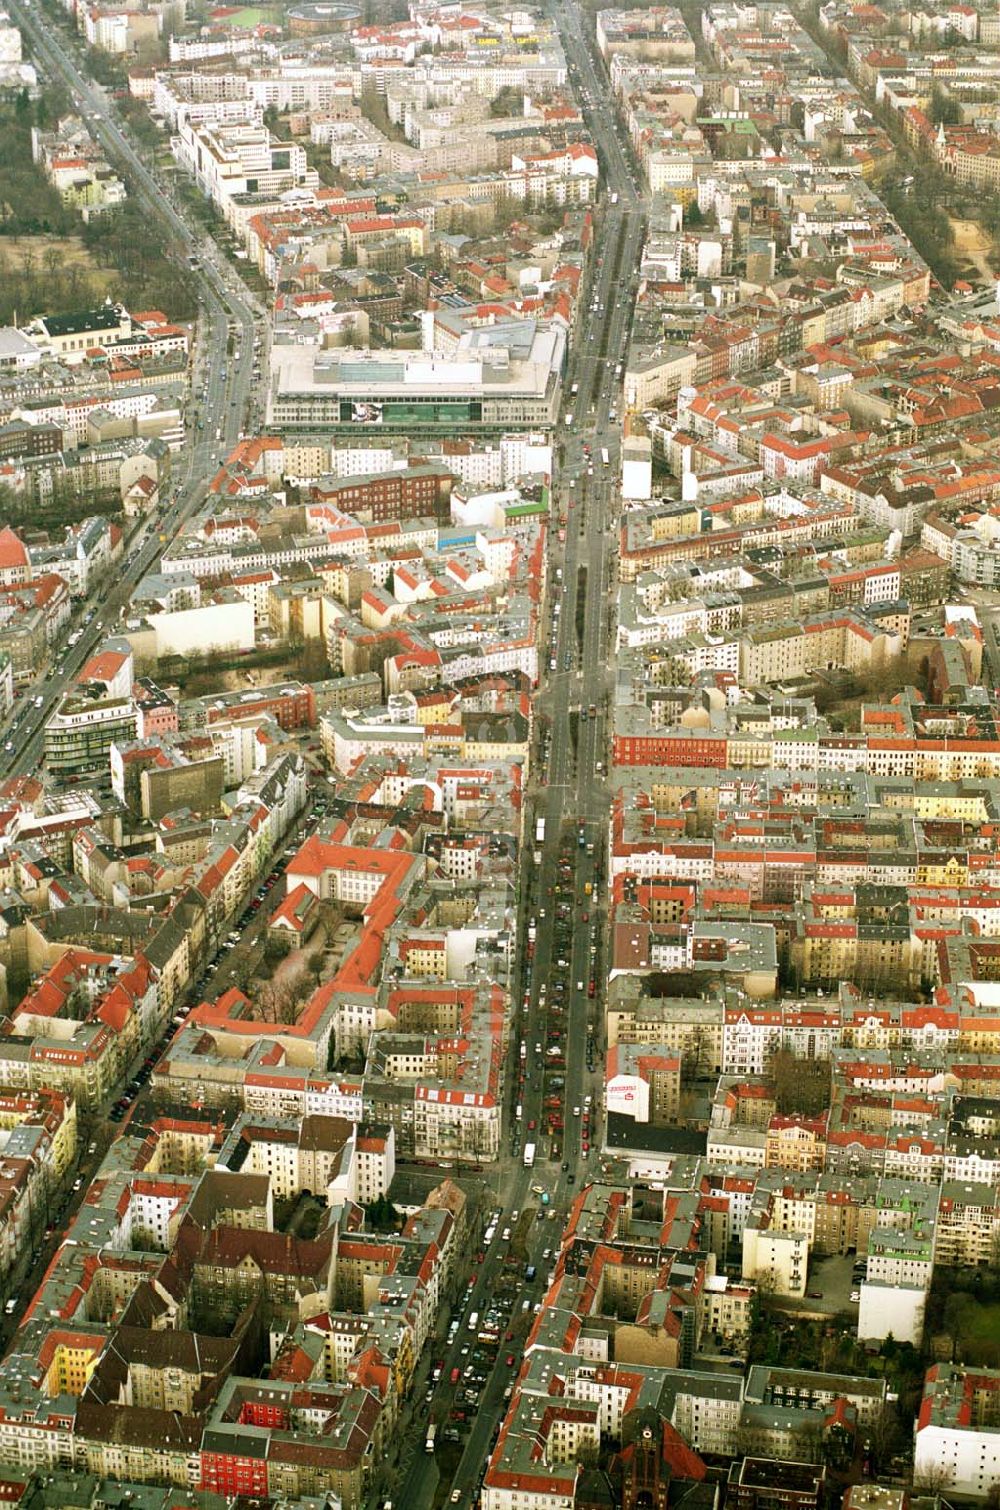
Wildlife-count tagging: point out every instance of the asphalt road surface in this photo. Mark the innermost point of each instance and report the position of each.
(572, 791)
(225, 301)
(567, 789)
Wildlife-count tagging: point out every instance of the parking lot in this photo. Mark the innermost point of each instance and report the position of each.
(831, 1285)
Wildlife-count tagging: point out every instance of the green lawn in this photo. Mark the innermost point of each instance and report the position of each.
(253, 15)
(987, 1323)
(974, 1323)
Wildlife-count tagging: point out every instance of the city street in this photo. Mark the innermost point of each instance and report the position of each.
(225, 301)
(566, 790)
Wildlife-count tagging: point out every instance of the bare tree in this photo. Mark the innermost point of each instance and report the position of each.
(801, 1086)
(277, 1001)
(932, 1478)
(694, 1053)
(887, 1437)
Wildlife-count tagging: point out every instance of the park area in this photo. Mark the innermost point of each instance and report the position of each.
(963, 1316)
(42, 271)
(974, 245)
(56, 257)
(249, 15)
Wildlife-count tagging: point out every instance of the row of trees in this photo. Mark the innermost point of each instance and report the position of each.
(922, 215)
(62, 505)
(53, 279)
(128, 240)
(923, 218)
(28, 203)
